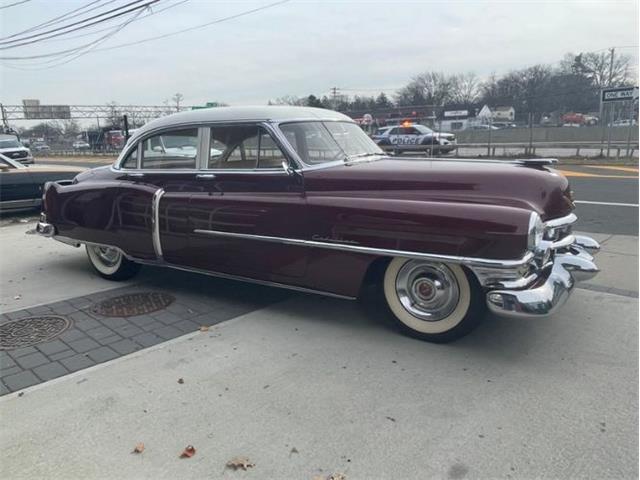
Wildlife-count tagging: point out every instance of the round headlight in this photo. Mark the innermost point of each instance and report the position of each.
(536, 231)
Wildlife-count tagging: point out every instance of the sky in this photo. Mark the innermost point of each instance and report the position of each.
(302, 47)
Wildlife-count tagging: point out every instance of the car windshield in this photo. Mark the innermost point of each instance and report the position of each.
(323, 142)
(9, 143)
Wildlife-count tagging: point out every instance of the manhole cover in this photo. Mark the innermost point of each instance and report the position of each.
(25, 332)
(133, 304)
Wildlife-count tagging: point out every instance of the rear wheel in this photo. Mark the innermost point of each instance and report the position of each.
(110, 263)
(432, 301)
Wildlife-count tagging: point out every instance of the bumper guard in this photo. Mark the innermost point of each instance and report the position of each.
(572, 264)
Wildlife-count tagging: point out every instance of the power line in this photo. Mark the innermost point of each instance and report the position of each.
(79, 22)
(14, 4)
(59, 18)
(140, 8)
(89, 48)
(220, 20)
(88, 34)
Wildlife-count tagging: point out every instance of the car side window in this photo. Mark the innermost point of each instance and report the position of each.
(243, 147)
(270, 155)
(394, 131)
(132, 159)
(171, 149)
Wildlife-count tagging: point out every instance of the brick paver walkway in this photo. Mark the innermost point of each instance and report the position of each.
(93, 339)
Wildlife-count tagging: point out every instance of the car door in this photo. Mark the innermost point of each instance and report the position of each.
(247, 201)
(17, 186)
(160, 174)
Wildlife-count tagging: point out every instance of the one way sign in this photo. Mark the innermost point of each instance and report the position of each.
(619, 94)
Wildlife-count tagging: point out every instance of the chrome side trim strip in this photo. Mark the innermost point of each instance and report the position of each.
(155, 222)
(480, 262)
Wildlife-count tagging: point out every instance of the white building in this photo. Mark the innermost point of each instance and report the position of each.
(497, 114)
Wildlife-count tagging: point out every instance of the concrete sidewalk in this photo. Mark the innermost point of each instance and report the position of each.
(313, 386)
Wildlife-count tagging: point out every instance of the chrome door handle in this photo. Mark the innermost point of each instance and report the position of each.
(206, 176)
(133, 174)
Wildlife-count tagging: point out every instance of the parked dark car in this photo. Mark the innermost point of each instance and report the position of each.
(21, 187)
(301, 198)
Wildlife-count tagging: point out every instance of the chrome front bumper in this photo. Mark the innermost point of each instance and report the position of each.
(570, 265)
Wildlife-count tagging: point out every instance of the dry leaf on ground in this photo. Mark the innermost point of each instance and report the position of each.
(240, 463)
(188, 452)
(181, 381)
(139, 448)
(337, 476)
(204, 328)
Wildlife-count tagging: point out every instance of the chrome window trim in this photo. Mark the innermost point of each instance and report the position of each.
(273, 127)
(305, 166)
(470, 261)
(203, 149)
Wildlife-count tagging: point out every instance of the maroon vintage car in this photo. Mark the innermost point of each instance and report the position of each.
(301, 198)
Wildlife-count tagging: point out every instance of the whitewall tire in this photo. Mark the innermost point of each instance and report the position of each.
(432, 301)
(110, 263)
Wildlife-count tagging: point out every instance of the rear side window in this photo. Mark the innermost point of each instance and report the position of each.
(172, 149)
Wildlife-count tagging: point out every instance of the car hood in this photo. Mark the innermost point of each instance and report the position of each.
(492, 182)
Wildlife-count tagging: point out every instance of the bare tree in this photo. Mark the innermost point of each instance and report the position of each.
(115, 115)
(604, 69)
(70, 127)
(177, 98)
(288, 100)
(465, 88)
(429, 88)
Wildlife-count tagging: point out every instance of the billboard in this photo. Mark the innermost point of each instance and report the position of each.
(34, 111)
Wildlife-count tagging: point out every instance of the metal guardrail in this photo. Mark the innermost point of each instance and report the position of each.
(529, 148)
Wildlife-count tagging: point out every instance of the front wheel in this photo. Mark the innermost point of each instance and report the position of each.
(432, 301)
(110, 263)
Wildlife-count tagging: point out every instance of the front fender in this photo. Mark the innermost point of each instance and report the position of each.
(435, 227)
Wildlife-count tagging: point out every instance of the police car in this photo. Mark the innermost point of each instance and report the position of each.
(414, 138)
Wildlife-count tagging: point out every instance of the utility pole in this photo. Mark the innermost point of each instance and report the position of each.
(612, 51)
(334, 97)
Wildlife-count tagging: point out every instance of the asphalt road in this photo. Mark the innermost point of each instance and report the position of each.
(606, 197)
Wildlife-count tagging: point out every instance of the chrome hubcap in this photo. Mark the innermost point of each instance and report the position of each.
(109, 257)
(429, 291)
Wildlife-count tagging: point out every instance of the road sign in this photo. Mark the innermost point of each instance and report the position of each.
(34, 111)
(620, 94)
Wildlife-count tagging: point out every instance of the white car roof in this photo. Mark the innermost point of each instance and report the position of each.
(270, 113)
